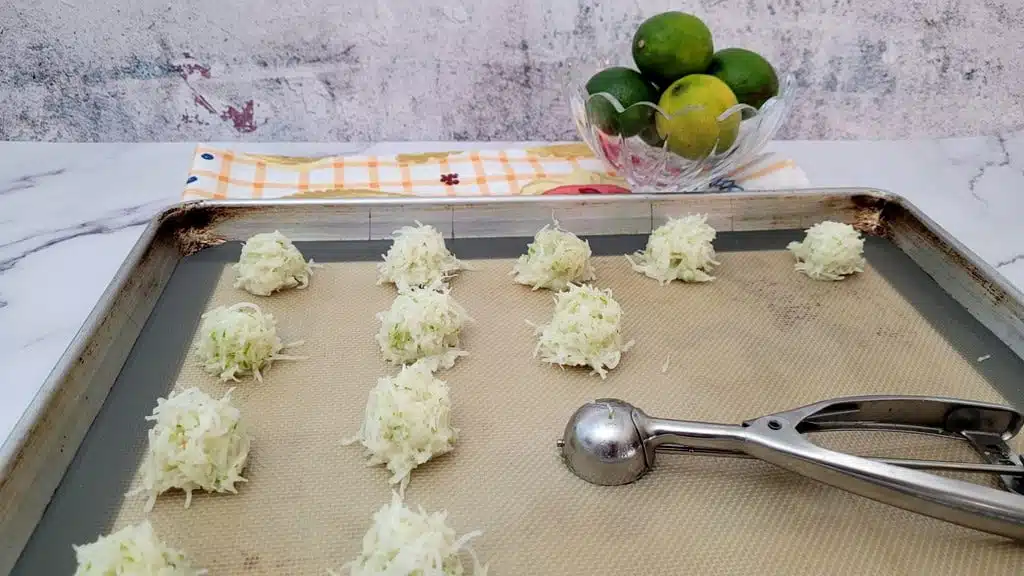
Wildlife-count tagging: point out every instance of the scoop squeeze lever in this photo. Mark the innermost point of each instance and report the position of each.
(612, 442)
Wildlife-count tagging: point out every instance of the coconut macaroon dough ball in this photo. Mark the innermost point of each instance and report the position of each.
(554, 260)
(239, 340)
(407, 422)
(585, 330)
(196, 443)
(133, 550)
(406, 541)
(680, 249)
(422, 325)
(829, 251)
(418, 257)
(270, 262)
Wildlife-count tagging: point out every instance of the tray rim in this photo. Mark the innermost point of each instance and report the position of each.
(15, 449)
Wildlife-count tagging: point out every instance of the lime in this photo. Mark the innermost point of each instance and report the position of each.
(650, 134)
(651, 137)
(750, 77)
(694, 104)
(671, 45)
(629, 88)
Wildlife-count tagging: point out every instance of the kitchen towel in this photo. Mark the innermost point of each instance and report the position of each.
(551, 169)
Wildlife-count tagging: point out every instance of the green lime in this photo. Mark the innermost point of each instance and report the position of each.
(671, 45)
(650, 134)
(694, 104)
(651, 137)
(750, 77)
(629, 88)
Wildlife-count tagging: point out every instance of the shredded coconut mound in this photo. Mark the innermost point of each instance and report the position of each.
(270, 262)
(239, 340)
(196, 443)
(830, 251)
(584, 330)
(417, 257)
(407, 422)
(407, 542)
(132, 551)
(422, 325)
(680, 249)
(554, 260)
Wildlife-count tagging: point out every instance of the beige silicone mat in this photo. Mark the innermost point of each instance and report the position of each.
(759, 339)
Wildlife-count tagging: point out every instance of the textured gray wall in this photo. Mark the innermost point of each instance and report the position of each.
(494, 69)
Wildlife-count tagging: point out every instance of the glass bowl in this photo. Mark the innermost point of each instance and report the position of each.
(693, 147)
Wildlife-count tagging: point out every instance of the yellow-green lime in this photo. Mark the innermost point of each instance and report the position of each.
(750, 77)
(693, 104)
(629, 88)
(671, 45)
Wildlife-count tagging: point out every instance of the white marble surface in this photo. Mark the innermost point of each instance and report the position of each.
(69, 214)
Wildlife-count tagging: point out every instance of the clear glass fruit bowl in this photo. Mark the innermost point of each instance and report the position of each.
(681, 152)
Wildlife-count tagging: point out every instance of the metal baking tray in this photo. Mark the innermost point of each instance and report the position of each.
(64, 470)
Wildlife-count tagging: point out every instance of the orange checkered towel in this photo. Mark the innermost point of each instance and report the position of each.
(551, 169)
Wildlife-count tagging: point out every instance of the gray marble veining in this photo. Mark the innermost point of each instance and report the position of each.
(322, 70)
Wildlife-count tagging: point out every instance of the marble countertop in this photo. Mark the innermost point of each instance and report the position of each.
(69, 214)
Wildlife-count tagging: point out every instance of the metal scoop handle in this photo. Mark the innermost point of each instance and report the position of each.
(778, 439)
(985, 426)
(936, 465)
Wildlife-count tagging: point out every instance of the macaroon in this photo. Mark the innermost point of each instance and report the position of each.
(403, 540)
(585, 330)
(680, 249)
(134, 549)
(417, 258)
(555, 259)
(830, 251)
(422, 325)
(196, 443)
(407, 422)
(270, 263)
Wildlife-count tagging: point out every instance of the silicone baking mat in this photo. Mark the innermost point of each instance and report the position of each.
(759, 339)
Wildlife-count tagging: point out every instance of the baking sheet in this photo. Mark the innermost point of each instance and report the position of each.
(759, 339)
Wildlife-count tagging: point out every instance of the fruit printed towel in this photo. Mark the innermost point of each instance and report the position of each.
(550, 169)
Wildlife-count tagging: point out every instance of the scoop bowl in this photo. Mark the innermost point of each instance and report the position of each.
(602, 444)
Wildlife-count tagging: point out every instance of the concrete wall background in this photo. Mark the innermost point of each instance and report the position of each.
(101, 70)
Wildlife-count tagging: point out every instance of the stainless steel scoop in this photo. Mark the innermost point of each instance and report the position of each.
(612, 442)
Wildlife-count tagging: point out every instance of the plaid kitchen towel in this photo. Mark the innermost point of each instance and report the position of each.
(552, 169)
